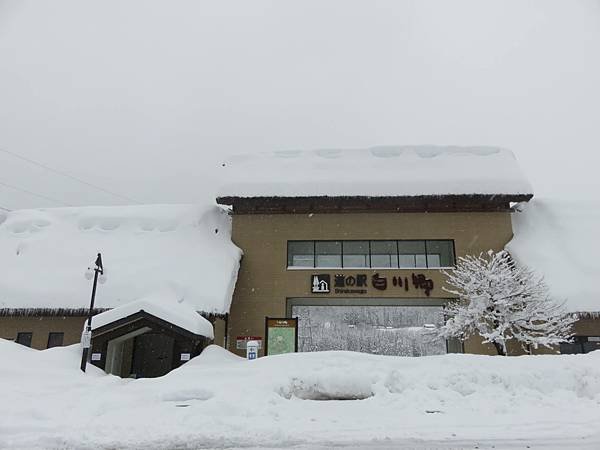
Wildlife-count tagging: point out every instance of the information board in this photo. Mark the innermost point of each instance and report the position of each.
(281, 336)
(241, 341)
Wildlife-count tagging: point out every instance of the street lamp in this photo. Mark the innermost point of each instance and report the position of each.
(86, 339)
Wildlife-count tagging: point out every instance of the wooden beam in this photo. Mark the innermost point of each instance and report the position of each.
(325, 204)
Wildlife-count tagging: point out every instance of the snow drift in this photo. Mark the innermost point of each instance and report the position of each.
(220, 400)
(44, 254)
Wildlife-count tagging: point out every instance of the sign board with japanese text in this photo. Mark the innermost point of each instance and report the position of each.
(281, 335)
(241, 342)
(359, 283)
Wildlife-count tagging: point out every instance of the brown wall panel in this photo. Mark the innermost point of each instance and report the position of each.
(41, 327)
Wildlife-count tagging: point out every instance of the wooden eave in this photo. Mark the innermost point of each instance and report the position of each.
(49, 312)
(75, 312)
(356, 204)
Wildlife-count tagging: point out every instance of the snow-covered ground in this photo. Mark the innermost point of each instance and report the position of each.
(304, 400)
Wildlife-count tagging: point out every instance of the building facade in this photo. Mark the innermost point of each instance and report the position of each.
(366, 280)
(342, 250)
(353, 243)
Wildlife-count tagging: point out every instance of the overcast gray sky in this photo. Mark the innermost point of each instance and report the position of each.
(145, 97)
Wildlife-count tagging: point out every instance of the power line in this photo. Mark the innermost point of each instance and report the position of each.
(16, 188)
(64, 174)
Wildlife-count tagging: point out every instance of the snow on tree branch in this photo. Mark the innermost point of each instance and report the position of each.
(502, 302)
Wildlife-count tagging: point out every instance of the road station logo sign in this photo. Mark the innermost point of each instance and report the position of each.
(360, 283)
(321, 284)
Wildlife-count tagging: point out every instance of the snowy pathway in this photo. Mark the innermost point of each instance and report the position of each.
(303, 401)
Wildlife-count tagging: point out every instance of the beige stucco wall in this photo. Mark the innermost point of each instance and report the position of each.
(264, 282)
(219, 330)
(41, 327)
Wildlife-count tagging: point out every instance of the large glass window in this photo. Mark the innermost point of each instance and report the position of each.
(328, 253)
(301, 254)
(412, 254)
(384, 254)
(356, 253)
(440, 253)
(404, 254)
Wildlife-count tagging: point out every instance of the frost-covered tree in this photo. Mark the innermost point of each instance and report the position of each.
(502, 302)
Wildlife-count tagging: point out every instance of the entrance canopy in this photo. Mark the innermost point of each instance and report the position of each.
(148, 337)
(164, 305)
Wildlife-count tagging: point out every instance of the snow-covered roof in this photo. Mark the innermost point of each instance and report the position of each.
(164, 304)
(375, 172)
(558, 238)
(44, 254)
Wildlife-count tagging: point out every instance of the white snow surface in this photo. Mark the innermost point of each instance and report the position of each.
(218, 400)
(45, 253)
(376, 171)
(164, 304)
(558, 238)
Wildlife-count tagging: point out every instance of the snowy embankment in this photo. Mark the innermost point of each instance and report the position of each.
(219, 400)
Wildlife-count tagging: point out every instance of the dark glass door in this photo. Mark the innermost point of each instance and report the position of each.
(152, 355)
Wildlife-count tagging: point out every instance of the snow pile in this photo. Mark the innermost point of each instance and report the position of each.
(44, 254)
(377, 171)
(220, 400)
(558, 238)
(164, 304)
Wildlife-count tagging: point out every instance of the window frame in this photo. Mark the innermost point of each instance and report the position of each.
(56, 333)
(367, 255)
(341, 254)
(369, 241)
(24, 333)
(397, 254)
(314, 259)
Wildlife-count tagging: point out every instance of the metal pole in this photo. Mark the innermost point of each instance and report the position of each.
(88, 328)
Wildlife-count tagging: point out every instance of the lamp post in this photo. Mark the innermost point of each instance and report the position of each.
(86, 338)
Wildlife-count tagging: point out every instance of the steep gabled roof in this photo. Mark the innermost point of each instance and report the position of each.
(44, 255)
(164, 304)
(558, 238)
(380, 172)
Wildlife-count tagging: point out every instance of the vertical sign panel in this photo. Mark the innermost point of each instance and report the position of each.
(281, 336)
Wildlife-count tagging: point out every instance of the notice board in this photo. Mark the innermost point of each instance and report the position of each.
(281, 335)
